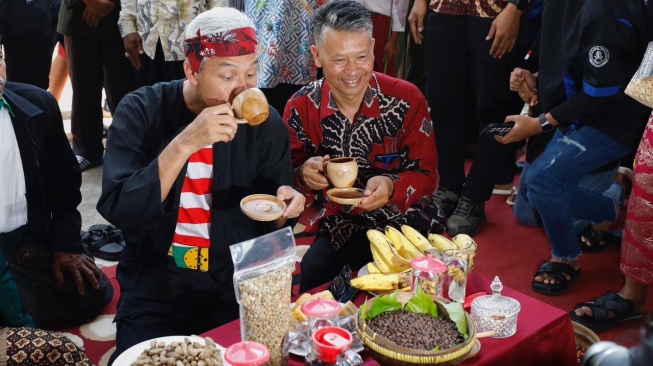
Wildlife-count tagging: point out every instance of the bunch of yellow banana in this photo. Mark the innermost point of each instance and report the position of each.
(393, 250)
(382, 282)
(441, 243)
(385, 255)
(416, 238)
(404, 246)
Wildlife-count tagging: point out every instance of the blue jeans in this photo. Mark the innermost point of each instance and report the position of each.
(553, 185)
(603, 183)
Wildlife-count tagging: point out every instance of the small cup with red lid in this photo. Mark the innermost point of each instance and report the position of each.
(321, 313)
(247, 353)
(331, 346)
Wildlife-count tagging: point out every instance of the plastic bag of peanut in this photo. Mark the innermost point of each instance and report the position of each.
(263, 270)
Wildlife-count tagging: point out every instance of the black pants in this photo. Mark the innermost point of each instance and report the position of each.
(322, 263)
(414, 68)
(48, 302)
(28, 57)
(139, 328)
(457, 56)
(94, 64)
(156, 70)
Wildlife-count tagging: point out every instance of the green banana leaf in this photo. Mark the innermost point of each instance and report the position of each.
(457, 315)
(422, 303)
(384, 303)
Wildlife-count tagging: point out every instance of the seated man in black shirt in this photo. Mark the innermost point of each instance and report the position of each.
(176, 168)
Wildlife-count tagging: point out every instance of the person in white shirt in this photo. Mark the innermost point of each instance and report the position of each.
(389, 21)
(45, 278)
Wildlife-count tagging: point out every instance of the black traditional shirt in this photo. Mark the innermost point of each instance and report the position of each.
(256, 161)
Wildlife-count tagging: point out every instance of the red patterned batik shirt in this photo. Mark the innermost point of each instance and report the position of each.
(392, 135)
(474, 8)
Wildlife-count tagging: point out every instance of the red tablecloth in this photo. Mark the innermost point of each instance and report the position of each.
(544, 335)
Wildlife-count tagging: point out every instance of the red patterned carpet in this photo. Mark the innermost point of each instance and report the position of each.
(506, 249)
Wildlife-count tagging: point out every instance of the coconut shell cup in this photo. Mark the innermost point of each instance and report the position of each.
(342, 172)
(251, 107)
(388, 353)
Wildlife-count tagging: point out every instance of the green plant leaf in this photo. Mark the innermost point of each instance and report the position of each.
(384, 303)
(457, 314)
(364, 309)
(422, 303)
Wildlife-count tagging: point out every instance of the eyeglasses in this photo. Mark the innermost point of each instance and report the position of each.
(341, 283)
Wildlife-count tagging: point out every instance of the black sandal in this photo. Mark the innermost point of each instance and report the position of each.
(557, 271)
(104, 242)
(623, 309)
(591, 241)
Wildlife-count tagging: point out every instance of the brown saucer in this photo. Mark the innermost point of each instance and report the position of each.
(262, 207)
(346, 196)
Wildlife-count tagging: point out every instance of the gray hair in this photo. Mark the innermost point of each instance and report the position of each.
(217, 20)
(341, 15)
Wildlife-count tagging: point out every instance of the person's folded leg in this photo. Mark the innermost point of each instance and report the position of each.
(322, 262)
(553, 186)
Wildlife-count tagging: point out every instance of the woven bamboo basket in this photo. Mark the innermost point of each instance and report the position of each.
(584, 336)
(388, 353)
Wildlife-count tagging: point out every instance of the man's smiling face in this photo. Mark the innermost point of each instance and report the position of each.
(347, 60)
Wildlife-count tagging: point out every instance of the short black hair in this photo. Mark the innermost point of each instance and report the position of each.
(341, 15)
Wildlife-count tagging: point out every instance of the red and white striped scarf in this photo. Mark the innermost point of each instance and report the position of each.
(192, 240)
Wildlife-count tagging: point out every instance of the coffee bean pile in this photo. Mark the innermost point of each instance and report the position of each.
(416, 331)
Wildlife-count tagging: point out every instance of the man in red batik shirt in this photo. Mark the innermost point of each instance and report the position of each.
(382, 122)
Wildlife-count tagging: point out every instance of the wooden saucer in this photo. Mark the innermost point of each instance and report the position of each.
(346, 196)
(262, 207)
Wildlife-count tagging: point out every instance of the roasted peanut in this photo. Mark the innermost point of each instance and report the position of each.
(180, 354)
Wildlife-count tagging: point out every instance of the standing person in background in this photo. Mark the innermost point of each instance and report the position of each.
(96, 58)
(389, 21)
(469, 45)
(285, 33)
(28, 33)
(58, 72)
(153, 35)
(414, 58)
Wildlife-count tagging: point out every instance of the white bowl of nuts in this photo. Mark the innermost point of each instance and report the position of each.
(169, 350)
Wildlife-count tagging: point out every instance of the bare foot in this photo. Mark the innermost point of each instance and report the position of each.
(550, 280)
